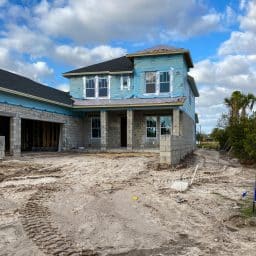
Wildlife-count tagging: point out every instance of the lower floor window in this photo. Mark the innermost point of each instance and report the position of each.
(151, 126)
(165, 124)
(96, 133)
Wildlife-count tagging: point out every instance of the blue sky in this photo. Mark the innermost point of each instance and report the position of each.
(43, 39)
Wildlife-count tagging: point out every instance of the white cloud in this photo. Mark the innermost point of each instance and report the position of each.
(81, 56)
(248, 22)
(24, 40)
(230, 15)
(36, 70)
(234, 69)
(232, 72)
(242, 4)
(2, 2)
(239, 43)
(125, 20)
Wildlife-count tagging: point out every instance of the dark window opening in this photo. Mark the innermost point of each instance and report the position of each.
(164, 82)
(103, 87)
(150, 78)
(90, 88)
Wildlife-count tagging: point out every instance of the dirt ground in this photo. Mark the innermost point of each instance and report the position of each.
(123, 204)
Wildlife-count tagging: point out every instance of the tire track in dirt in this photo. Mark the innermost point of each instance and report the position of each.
(36, 221)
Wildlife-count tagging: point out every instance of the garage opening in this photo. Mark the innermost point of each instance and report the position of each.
(39, 135)
(5, 131)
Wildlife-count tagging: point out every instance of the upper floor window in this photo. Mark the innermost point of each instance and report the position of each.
(90, 87)
(157, 82)
(125, 82)
(103, 87)
(164, 82)
(150, 78)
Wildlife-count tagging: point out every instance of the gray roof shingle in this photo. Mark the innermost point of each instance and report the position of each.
(25, 85)
(121, 64)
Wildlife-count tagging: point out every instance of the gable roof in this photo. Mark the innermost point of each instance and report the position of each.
(164, 50)
(118, 65)
(17, 84)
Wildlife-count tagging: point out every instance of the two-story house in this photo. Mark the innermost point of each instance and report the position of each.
(132, 100)
(128, 102)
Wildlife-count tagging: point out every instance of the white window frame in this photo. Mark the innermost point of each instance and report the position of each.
(154, 117)
(87, 79)
(145, 82)
(95, 117)
(128, 83)
(159, 75)
(161, 127)
(107, 82)
(96, 83)
(157, 84)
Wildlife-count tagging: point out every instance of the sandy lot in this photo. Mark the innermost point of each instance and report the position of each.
(123, 204)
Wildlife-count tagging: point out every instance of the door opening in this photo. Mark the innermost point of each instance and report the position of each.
(123, 132)
(5, 131)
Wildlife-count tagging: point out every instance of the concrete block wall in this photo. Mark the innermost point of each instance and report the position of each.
(173, 148)
(2, 147)
(114, 129)
(89, 141)
(140, 140)
(104, 129)
(15, 136)
(130, 129)
(71, 132)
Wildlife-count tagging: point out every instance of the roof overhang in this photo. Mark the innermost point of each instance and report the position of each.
(128, 103)
(196, 118)
(97, 73)
(193, 86)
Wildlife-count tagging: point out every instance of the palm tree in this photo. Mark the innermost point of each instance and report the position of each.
(248, 102)
(235, 103)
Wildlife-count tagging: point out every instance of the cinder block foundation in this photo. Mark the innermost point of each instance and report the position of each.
(173, 148)
(2, 147)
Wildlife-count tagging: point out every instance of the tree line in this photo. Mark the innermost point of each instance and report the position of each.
(236, 131)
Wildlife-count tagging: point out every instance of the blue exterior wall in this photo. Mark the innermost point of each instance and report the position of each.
(76, 87)
(180, 86)
(159, 63)
(115, 88)
(188, 107)
(137, 87)
(12, 99)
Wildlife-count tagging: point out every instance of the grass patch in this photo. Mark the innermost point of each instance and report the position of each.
(209, 145)
(246, 208)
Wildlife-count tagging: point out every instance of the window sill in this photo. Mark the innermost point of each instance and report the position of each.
(96, 98)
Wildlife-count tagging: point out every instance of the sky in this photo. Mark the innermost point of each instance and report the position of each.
(43, 39)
